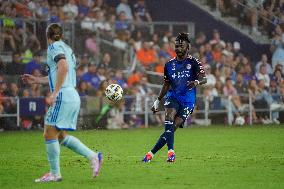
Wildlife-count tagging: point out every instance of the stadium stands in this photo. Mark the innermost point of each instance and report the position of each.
(108, 37)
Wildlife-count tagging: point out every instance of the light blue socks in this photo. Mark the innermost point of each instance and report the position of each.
(77, 146)
(53, 152)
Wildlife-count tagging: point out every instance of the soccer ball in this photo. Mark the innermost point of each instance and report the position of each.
(114, 92)
(240, 120)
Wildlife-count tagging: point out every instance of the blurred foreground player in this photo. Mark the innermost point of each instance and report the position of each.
(64, 104)
(182, 75)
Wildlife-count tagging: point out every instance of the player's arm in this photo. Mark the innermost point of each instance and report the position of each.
(200, 73)
(27, 78)
(166, 86)
(62, 70)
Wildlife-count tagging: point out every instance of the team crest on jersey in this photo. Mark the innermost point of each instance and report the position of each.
(188, 66)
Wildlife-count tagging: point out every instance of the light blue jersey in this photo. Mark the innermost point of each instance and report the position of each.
(54, 51)
(63, 114)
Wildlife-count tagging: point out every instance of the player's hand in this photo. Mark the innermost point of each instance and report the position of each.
(155, 106)
(51, 99)
(27, 78)
(192, 84)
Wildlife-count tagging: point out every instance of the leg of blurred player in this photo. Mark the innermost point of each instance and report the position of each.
(53, 152)
(77, 146)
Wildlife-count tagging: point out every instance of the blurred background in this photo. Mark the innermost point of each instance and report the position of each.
(239, 42)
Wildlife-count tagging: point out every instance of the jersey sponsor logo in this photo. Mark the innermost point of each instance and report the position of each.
(181, 74)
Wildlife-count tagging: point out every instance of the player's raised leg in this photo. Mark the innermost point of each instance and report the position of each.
(74, 144)
(53, 152)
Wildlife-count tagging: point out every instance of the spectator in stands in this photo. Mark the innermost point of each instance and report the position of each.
(278, 77)
(2, 67)
(230, 91)
(216, 39)
(134, 78)
(91, 77)
(252, 14)
(263, 75)
(91, 44)
(83, 88)
(137, 39)
(121, 24)
(43, 10)
(105, 63)
(32, 41)
(83, 9)
(277, 47)
(166, 51)
(118, 78)
(88, 21)
(34, 64)
(121, 40)
(263, 61)
(54, 16)
(70, 10)
(124, 7)
(200, 39)
(159, 68)
(147, 56)
(270, 102)
(143, 87)
(141, 13)
(16, 67)
(211, 79)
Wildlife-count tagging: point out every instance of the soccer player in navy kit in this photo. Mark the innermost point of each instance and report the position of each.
(182, 75)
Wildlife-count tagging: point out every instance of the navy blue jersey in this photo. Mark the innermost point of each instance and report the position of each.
(178, 74)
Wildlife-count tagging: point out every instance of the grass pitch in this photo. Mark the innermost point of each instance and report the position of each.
(207, 157)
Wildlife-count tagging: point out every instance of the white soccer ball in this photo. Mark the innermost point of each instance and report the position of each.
(114, 92)
(240, 120)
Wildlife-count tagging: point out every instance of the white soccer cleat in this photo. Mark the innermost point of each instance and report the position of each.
(48, 177)
(96, 164)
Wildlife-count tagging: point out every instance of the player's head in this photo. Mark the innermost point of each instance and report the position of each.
(54, 32)
(182, 45)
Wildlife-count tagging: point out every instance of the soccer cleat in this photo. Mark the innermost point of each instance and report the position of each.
(96, 164)
(148, 157)
(48, 177)
(171, 156)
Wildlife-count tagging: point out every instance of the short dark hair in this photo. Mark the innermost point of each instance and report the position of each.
(183, 37)
(54, 32)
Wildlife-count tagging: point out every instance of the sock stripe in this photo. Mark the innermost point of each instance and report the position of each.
(50, 141)
(169, 122)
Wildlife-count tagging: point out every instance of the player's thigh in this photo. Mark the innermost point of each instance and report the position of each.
(50, 132)
(170, 113)
(171, 108)
(178, 122)
(62, 135)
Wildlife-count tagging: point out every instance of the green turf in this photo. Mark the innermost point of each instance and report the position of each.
(207, 157)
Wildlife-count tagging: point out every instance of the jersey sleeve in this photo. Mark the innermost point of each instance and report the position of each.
(166, 75)
(57, 52)
(198, 68)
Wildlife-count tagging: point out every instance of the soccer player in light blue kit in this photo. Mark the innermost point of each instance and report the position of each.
(64, 106)
(182, 75)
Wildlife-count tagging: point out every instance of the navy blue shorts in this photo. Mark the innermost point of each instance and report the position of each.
(183, 109)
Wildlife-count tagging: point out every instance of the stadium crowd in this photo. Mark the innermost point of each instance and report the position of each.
(232, 75)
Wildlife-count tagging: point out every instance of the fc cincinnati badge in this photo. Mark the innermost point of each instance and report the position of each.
(188, 66)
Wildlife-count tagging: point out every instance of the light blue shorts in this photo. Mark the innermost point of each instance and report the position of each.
(64, 112)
